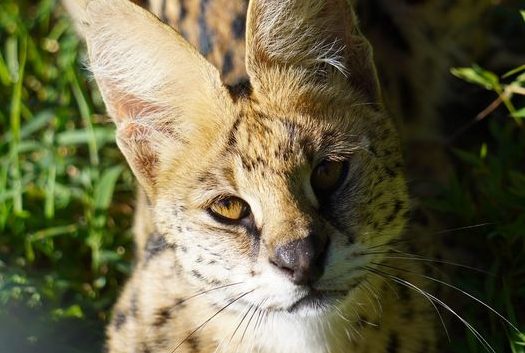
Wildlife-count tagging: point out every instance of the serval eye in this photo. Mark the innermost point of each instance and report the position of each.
(328, 176)
(230, 209)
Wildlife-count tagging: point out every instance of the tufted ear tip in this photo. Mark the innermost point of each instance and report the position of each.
(307, 39)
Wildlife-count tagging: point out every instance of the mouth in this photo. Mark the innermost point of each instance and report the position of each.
(317, 300)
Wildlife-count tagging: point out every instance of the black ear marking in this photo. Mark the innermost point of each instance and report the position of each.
(241, 89)
(227, 64)
(205, 35)
(239, 26)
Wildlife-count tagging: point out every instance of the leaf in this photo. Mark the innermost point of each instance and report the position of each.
(520, 114)
(102, 136)
(477, 75)
(483, 151)
(514, 71)
(104, 188)
(46, 234)
(468, 157)
(74, 311)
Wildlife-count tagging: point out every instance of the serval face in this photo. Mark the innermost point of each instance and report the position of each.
(275, 195)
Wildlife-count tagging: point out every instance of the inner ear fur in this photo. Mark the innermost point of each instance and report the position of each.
(160, 92)
(315, 42)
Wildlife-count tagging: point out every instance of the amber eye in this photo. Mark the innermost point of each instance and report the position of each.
(328, 177)
(230, 209)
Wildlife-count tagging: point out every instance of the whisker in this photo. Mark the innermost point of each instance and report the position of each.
(416, 257)
(425, 294)
(369, 288)
(180, 302)
(257, 308)
(240, 323)
(406, 238)
(211, 318)
(451, 230)
(408, 284)
(494, 311)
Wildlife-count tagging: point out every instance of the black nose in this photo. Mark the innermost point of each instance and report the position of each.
(302, 259)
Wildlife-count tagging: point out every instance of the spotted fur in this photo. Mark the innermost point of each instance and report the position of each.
(246, 101)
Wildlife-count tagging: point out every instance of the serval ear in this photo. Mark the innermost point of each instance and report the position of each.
(313, 41)
(160, 92)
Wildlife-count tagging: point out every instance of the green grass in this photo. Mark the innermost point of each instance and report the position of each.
(65, 194)
(66, 198)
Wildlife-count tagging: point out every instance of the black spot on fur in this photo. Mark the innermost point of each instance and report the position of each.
(180, 303)
(193, 343)
(247, 164)
(162, 316)
(393, 343)
(398, 205)
(239, 26)
(155, 245)
(241, 89)
(144, 348)
(183, 11)
(227, 64)
(163, 17)
(119, 320)
(134, 308)
(390, 172)
(197, 274)
(205, 37)
(232, 135)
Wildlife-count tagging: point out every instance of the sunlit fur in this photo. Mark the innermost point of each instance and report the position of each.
(314, 96)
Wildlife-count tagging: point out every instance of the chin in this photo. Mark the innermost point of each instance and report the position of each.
(317, 303)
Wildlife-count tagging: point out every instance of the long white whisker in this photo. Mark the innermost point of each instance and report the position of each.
(211, 318)
(408, 284)
(459, 290)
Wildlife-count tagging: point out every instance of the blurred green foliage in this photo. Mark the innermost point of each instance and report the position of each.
(489, 188)
(66, 196)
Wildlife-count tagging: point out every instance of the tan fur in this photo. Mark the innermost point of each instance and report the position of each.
(189, 140)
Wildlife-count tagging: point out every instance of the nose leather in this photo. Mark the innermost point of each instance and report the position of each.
(302, 259)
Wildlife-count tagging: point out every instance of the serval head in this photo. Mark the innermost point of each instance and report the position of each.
(276, 193)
